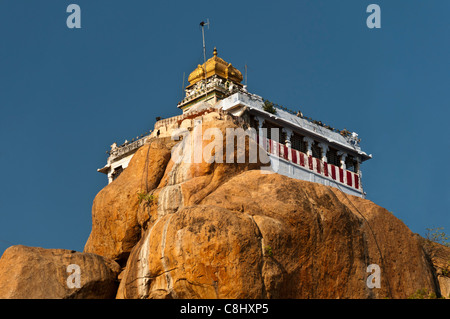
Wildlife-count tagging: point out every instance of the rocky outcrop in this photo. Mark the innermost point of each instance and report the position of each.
(217, 230)
(115, 228)
(38, 273)
(120, 215)
(439, 256)
(182, 226)
(268, 236)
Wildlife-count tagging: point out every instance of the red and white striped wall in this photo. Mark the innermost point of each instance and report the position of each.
(316, 165)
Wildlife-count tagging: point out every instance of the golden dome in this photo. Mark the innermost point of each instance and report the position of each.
(218, 66)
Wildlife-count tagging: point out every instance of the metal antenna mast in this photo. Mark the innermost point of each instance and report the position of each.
(202, 24)
(245, 74)
(182, 87)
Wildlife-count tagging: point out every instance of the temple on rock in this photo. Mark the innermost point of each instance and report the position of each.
(304, 148)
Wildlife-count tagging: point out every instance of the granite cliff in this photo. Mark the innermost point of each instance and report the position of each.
(174, 229)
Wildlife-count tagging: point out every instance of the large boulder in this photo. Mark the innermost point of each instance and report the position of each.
(199, 252)
(177, 227)
(269, 236)
(156, 183)
(440, 258)
(214, 229)
(115, 228)
(38, 273)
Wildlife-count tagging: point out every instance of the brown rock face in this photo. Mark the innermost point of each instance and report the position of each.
(226, 249)
(440, 258)
(225, 230)
(119, 218)
(38, 273)
(215, 229)
(115, 228)
(268, 236)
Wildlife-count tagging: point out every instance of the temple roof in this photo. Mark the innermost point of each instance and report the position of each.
(215, 66)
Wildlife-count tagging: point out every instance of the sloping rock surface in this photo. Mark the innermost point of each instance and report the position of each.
(268, 236)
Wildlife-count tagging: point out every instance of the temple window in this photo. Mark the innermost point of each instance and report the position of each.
(316, 150)
(281, 135)
(350, 163)
(332, 157)
(117, 171)
(297, 143)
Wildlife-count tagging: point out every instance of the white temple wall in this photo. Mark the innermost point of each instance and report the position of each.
(289, 169)
(122, 162)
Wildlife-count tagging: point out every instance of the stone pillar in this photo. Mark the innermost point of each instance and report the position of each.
(310, 142)
(324, 148)
(358, 165)
(288, 132)
(259, 130)
(259, 127)
(110, 178)
(343, 156)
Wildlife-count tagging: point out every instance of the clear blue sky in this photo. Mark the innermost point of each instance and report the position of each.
(67, 94)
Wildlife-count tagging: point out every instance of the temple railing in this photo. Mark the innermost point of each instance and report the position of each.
(168, 121)
(126, 149)
(307, 162)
